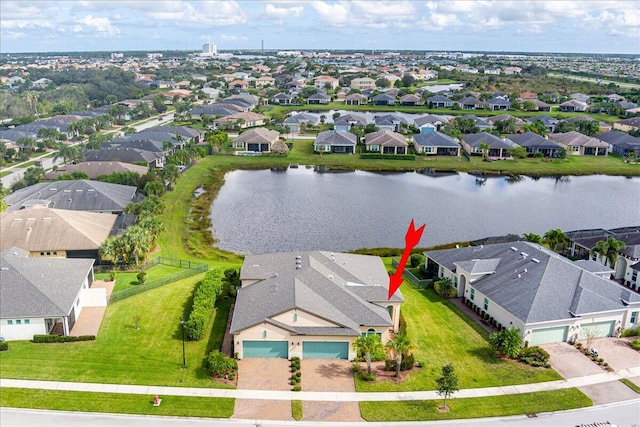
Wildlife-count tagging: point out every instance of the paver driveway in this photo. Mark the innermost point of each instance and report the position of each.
(328, 375)
(571, 363)
(263, 374)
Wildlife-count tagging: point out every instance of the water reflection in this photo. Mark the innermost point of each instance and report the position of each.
(300, 209)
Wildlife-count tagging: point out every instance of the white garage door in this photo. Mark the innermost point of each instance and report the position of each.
(597, 329)
(548, 335)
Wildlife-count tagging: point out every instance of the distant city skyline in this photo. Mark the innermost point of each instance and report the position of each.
(505, 26)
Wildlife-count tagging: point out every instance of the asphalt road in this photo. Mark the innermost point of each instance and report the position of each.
(621, 414)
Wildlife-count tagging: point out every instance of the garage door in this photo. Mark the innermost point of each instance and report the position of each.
(325, 350)
(265, 349)
(548, 335)
(598, 329)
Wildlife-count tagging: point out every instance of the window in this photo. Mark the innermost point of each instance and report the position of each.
(9, 322)
(371, 331)
(486, 304)
(264, 333)
(575, 149)
(78, 302)
(441, 271)
(27, 321)
(634, 275)
(375, 148)
(18, 322)
(295, 317)
(455, 281)
(473, 293)
(239, 144)
(634, 316)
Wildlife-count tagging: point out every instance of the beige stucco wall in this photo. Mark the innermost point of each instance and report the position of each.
(303, 319)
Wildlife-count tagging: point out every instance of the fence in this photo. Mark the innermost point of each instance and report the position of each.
(191, 269)
(173, 262)
(420, 283)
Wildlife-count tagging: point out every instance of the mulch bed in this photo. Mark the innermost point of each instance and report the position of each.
(389, 376)
(226, 381)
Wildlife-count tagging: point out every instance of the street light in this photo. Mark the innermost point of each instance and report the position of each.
(184, 361)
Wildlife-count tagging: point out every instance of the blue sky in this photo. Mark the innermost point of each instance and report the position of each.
(120, 25)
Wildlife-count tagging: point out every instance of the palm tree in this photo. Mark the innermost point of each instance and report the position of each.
(532, 237)
(485, 149)
(399, 347)
(556, 239)
(609, 250)
(67, 153)
(367, 345)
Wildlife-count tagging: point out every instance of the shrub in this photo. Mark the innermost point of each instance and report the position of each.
(405, 365)
(635, 344)
(534, 356)
(416, 260)
(112, 275)
(204, 298)
(294, 381)
(232, 376)
(298, 374)
(295, 359)
(367, 377)
(46, 339)
(356, 368)
(629, 333)
(297, 388)
(142, 277)
(402, 326)
(579, 345)
(219, 364)
(4, 346)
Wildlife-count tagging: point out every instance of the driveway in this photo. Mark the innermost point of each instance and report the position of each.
(617, 352)
(263, 374)
(328, 375)
(571, 363)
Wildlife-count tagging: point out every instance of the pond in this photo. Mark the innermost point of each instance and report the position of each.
(302, 209)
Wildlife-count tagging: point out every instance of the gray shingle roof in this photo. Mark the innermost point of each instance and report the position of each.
(122, 154)
(349, 119)
(336, 137)
(475, 139)
(388, 119)
(435, 139)
(80, 195)
(339, 288)
(540, 287)
(530, 139)
(39, 287)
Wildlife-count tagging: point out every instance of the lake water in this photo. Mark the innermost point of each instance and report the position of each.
(301, 209)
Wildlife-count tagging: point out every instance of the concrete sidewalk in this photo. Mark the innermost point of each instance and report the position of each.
(320, 396)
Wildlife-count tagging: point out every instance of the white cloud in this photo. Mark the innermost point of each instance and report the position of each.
(367, 14)
(23, 9)
(336, 14)
(276, 12)
(102, 26)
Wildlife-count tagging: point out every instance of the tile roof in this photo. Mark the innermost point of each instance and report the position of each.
(258, 135)
(578, 139)
(385, 138)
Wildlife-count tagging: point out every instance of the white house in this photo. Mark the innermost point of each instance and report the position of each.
(44, 295)
(546, 296)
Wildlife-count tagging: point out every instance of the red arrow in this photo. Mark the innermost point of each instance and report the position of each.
(411, 240)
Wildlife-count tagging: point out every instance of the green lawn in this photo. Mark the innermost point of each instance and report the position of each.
(177, 406)
(296, 410)
(480, 407)
(123, 355)
(128, 279)
(443, 334)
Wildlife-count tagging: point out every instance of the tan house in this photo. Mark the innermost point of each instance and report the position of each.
(311, 305)
(576, 143)
(243, 120)
(627, 125)
(321, 82)
(386, 142)
(259, 140)
(96, 169)
(58, 233)
(263, 81)
(363, 83)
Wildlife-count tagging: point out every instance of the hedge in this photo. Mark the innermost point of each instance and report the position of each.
(61, 338)
(204, 298)
(387, 156)
(4, 346)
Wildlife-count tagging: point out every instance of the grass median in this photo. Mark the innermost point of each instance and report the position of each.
(180, 406)
(478, 407)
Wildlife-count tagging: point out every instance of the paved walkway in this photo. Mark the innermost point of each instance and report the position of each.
(321, 396)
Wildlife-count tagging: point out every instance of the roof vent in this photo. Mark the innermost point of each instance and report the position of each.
(514, 249)
(519, 276)
(524, 255)
(298, 267)
(298, 257)
(457, 246)
(536, 260)
(4, 269)
(330, 277)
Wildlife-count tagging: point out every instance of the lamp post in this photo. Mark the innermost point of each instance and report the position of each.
(184, 361)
